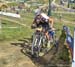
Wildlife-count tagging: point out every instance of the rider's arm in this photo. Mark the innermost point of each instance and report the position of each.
(34, 24)
(51, 22)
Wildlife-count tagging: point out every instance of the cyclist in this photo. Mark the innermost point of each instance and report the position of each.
(46, 22)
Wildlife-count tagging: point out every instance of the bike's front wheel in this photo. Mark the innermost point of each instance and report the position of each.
(37, 45)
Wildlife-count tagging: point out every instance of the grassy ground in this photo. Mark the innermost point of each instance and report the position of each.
(69, 17)
(22, 31)
(12, 4)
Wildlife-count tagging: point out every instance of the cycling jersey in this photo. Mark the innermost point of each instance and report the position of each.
(41, 22)
(45, 25)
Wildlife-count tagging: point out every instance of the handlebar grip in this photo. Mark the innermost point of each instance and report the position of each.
(33, 27)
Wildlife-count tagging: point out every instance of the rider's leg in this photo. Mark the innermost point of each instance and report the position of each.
(48, 37)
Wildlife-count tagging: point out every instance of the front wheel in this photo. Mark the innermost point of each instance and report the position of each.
(36, 45)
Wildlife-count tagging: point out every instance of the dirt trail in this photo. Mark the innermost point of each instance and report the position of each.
(11, 56)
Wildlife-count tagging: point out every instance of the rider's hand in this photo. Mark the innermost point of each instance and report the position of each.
(33, 26)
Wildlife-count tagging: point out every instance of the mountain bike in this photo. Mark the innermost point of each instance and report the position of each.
(38, 41)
